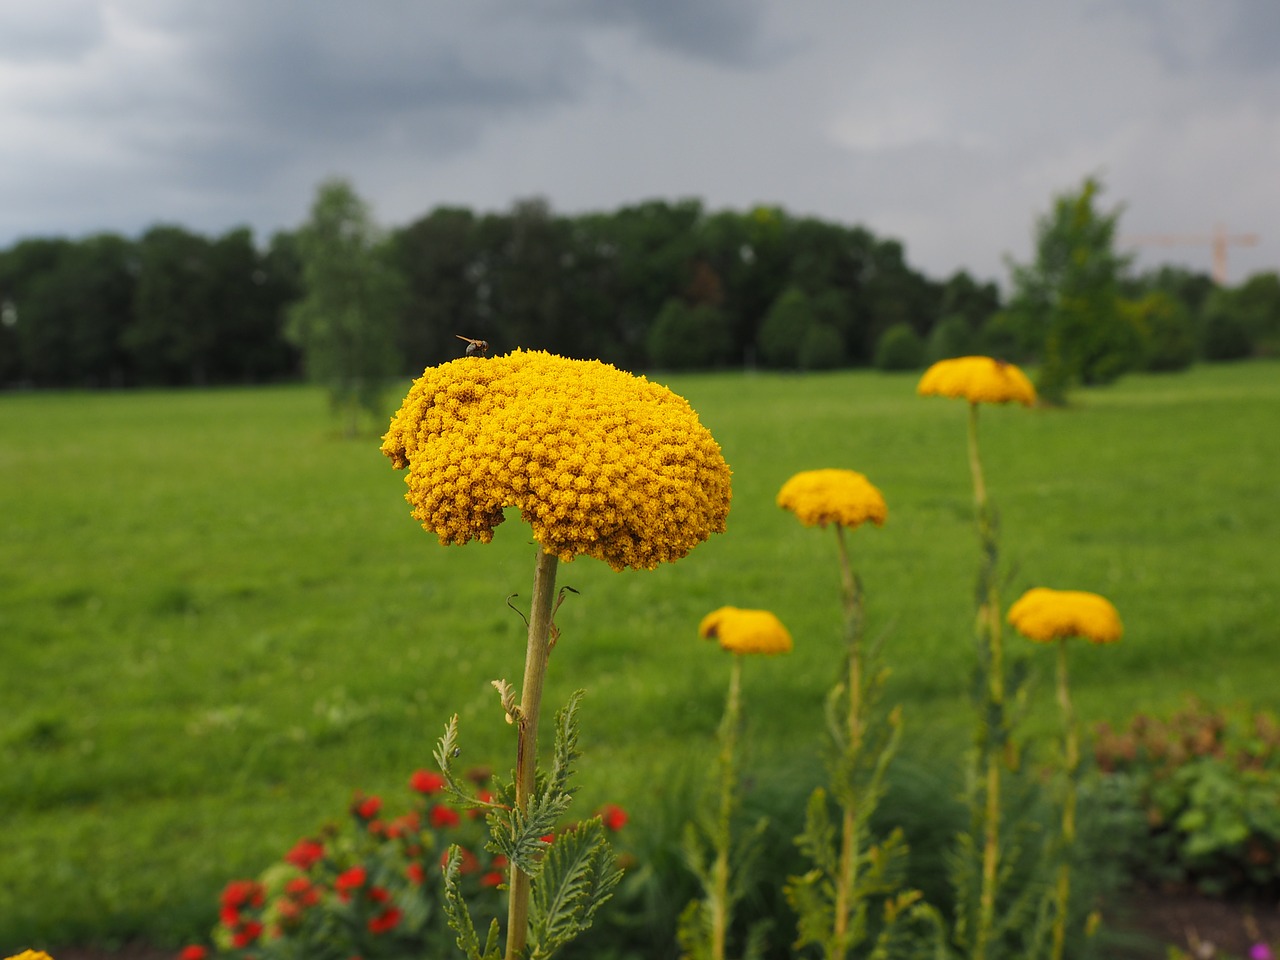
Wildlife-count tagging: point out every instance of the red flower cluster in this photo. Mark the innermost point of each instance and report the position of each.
(237, 896)
(305, 853)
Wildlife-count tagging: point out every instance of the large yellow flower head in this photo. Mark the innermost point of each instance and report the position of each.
(978, 380)
(1046, 615)
(820, 497)
(31, 955)
(745, 631)
(600, 462)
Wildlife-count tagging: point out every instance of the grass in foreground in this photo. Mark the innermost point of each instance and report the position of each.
(217, 620)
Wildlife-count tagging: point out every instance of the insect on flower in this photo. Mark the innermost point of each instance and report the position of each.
(474, 346)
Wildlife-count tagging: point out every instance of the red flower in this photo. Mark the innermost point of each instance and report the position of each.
(492, 879)
(404, 826)
(442, 816)
(614, 817)
(194, 952)
(426, 782)
(239, 893)
(303, 892)
(379, 894)
(348, 881)
(230, 917)
(305, 853)
(250, 932)
(415, 874)
(385, 921)
(366, 808)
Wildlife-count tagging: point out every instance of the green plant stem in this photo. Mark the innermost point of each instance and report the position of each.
(1070, 764)
(989, 628)
(720, 907)
(535, 669)
(848, 866)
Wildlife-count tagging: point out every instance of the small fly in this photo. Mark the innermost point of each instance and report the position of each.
(474, 347)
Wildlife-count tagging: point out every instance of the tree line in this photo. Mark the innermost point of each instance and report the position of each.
(655, 285)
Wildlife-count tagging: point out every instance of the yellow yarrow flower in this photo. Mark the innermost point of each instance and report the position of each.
(745, 631)
(978, 380)
(820, 497)
(599, 462)
(30, 955)
(1046, 615)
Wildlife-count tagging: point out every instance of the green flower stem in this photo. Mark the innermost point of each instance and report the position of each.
(1070, 764)
(720, 907)
(535, 669)
(989, 628)
(848, 866)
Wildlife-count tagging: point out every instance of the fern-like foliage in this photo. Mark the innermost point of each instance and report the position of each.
(570, 877)
(455, 909)
(578, 875)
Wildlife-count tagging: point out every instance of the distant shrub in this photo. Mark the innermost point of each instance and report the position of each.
(689, 338)
(1168, 335)
(822, 348)
(1206, 783)
(784, 328)
(951, 337)
(1225, 335)
(899, 348)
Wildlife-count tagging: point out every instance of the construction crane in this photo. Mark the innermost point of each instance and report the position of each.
(1219, 240)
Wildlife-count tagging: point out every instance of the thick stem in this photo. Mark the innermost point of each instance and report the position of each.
(1070, 764)
(993, 740)
(848, 866)
(535, 669)
(720, 910)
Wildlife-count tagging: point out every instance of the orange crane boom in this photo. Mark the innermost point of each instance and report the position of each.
(1219, 240)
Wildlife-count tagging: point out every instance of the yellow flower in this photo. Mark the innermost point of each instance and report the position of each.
(978, 380)
(598, 461)
(1046, 615)
(745, 631)
(30, 955)
(819, 497)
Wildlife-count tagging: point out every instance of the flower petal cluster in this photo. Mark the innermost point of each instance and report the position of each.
(1046, 615)
(599, 462)
(745, 631)
(820, 497)
(978, 380)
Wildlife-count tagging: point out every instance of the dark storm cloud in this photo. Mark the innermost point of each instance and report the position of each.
(945, 126)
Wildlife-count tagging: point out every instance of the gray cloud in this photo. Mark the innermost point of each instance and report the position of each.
(946, 126)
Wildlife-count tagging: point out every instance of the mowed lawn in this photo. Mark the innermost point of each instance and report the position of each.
(218, 620)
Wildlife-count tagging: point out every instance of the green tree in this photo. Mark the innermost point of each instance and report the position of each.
(900, 348)
(685, 337)
(1168, 335)
(784, 328)
(951, 337)
(346, 323)
(1071, 294)
(1224, 330)
(175, 326)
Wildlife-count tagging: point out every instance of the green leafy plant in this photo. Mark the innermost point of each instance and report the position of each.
(1206, 781)
(570, 873)
(378, 886)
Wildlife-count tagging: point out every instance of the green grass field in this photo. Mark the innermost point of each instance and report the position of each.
(217, 619)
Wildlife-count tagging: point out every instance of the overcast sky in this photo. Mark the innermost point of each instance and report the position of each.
(946, 125)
